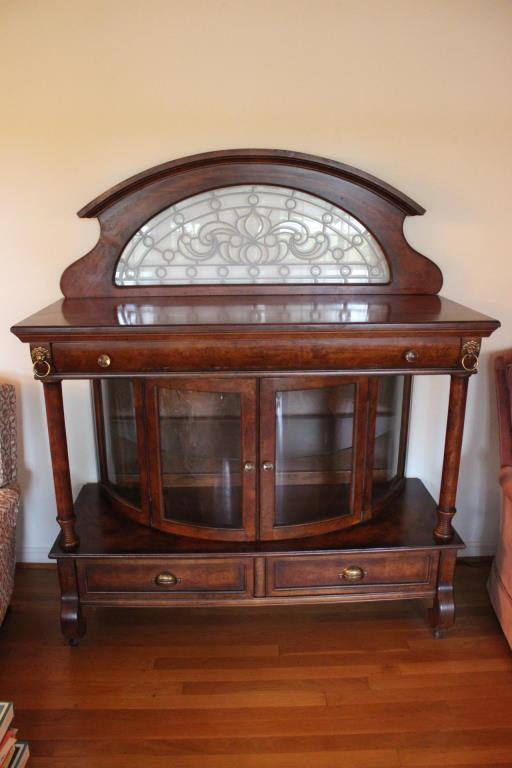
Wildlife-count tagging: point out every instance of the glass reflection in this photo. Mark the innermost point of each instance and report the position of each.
(200, 457)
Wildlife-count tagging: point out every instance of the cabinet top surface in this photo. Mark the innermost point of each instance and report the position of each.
(355, 314)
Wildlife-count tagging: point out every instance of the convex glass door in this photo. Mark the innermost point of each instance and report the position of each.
(242, 459)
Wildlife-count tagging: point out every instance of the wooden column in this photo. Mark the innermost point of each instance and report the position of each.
(60, 464)
(452, 447)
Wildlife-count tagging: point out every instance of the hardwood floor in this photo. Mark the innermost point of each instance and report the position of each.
(361, 686)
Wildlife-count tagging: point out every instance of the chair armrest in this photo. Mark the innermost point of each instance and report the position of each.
(7, 434)
(505, 477)
(9, 504)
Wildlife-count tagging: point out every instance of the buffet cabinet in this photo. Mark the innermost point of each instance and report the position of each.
(251, 323)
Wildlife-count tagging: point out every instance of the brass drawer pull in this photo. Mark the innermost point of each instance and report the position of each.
(352, 573)
(249, 466)
(166, 579)
(104, 361)
(411, 356)
(268, 466)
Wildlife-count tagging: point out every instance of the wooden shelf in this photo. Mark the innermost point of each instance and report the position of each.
(407, 524)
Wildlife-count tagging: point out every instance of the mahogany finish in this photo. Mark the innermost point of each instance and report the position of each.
(123, 209)
(351, 527)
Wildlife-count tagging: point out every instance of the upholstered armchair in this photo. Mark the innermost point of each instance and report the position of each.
(500, 580)
(9, 494)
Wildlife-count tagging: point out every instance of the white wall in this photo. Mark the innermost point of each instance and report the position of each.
(416, 92)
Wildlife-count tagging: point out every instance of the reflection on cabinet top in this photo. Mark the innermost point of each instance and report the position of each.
(352, 315)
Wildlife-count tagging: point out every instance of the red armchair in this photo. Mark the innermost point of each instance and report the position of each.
(500, 580)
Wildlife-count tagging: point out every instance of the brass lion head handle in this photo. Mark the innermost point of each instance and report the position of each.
(470, 351)
(41, 360)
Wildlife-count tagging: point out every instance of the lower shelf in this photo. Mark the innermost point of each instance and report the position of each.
(122, 563)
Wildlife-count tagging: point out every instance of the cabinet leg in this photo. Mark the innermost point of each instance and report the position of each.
(72, 622)
(443, 609)
(60, 463)
(452, 448)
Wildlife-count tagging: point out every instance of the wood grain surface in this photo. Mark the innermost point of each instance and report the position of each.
(361, 686)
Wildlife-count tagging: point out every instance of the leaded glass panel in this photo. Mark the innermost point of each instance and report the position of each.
(252, 234)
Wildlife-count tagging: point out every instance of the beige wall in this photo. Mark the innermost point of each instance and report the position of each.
(416, 92)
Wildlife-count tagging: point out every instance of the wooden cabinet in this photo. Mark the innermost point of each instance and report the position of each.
(252, 322)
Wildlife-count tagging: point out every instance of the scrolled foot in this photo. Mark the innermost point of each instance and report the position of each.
(72, 622)
(443, 608)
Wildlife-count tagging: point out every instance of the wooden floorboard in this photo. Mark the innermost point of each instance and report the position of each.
(361, 686)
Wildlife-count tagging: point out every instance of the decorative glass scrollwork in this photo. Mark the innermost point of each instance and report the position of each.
(252, 234)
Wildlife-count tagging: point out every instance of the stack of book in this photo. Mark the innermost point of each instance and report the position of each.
(13, 753)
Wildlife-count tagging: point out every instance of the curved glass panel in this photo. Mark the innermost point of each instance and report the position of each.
(121, 438)
(252, 234)
(387, 434)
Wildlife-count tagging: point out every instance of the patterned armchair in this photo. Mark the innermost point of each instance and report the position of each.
(500, 580)
(9, 494)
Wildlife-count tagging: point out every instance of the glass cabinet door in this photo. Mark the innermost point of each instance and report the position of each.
(309, 453)
(203, 466)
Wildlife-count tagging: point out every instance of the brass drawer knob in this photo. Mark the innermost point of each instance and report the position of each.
(249, 466)
(352, 573)
(166, 579)
(104, 361)
(411, 355)
(268, 466)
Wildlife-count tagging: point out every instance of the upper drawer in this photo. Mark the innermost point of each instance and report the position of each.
(310, 351)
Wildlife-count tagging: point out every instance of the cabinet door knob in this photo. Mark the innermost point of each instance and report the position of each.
(166, 579)
(352, 573)
(411, 355)
(267, 466)
(249, 466)
(104, 361)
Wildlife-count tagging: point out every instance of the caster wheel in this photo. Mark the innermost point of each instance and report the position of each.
(438, 634)
(73, 642)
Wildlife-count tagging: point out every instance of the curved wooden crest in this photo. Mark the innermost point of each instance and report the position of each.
(127, 206)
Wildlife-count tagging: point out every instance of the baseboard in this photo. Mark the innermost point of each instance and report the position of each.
(32, 554)
(478, 549)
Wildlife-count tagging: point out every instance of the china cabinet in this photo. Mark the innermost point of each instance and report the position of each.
(251, 322)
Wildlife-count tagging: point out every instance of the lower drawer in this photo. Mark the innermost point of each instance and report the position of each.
(330, 574)
(172, 579)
